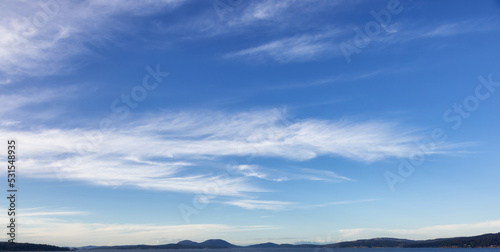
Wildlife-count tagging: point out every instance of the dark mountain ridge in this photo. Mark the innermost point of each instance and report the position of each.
(480, 241)
(217, 243)
(9, 246)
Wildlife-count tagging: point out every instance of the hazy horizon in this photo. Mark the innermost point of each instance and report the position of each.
(295, 243)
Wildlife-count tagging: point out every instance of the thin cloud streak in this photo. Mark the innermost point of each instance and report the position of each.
(273, 205)
(53, 213)
(261, 204)
(287, 174)
(314, 46)
(339, 203)
(300, 48)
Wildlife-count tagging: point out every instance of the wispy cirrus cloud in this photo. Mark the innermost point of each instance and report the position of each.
(23, 99)
(32, 107)
(261, 204)
(460, 27)
(340, 78)
(286, 174)
(281, 14)
(273, 205)
(52, 213)
(170, 144)
(41, 38)
(406, 32)
(326, 44)
(265, 10)
(271, 18)
(339, 203)
(298, 48)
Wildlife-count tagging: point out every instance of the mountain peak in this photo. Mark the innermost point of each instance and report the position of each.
(218, 243)
(188, 243)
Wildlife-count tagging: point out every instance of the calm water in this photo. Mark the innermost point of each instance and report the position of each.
(304, 250)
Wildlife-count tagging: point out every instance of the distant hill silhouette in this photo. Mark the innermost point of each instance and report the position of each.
(480, 241)
(8, 246)
(274, 245)
(217, 243)
(213, 243)
(372, 243)
(188, 243)
(264, 245)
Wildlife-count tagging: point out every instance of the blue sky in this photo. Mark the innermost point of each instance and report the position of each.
(251, 121)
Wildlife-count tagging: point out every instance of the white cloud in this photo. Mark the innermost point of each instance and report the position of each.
(298, 48)
(132, 7)
(40, 37)
(339, 203)
(251, 171)
(5, 81)
(317, 175)
(461, 27)
(270, 18)
(261, 204)
(265, 10)
(407, 32)
(251, 204)
(169, 145)
(286, 13)
(51, 213)
(27, 98)
(312, 46)
(286, 174)
(8, 123)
